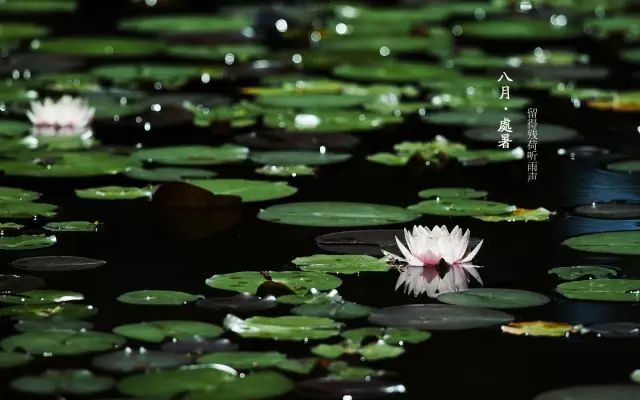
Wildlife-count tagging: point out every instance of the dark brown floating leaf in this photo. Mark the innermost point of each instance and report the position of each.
(296, 141)
(616, 329)
(19, 283)
(610, 210)
(241, 303)
(438, 317)
(199, 346)
(57, 263)
(328, 388)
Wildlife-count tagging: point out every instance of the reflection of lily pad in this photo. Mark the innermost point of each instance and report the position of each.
(114, 193)
(602, 290)
(298, 157)
(622, 243)
(462, 207)
(99, 46)
(250, 281)
(26, 242)
(57, 263)
(540, 328)
(18, 283)
(336, 214)
(193, 155)
(158, 298)
(584, 272)
(343, 264)
(298, 328)
(59, 324)
(438, 317)
(157, 331)
(494, 298)
(616, 329)
(247, 190)
(56, 382)
(62, 343)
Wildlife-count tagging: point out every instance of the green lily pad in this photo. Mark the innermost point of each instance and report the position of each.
(520, 214)
(625, 25)
(41, 297)
(247, 190)
(37, 6)
(393, 71)
(393, 336)
(129, 360)
(453, 192)
(545, 134)
(340, 310)
(298, 157)
(245, 359)
(9, 194)
(256, 386)
(336, 214)
(72, 226)
(621, 243)
(114, 193)
(193, 155)
(628, 166)
(342, 370)
(14, 128)
(168, 174)
(222, 53)
(26, 242)
(592, 392)
(69, 164)
(488, 117)
(631, 55)
(602, 290)
(483, 156)
(56, 382)
(519, 29)
(169, 383)
(158, 298)
(12, 360)
(342, 264)
(9, 225)
(24, 209)
(99, 46)
(462, 207)
(380, 351)
(296, 328)
(327, 121)
(22, 30)
(183, 24)
(286, 170)
(494, 298)
(170, 76)
(297, 281)
(48, 311)
(61, 343)
(577, 272)
(157, 331)
(314, 100)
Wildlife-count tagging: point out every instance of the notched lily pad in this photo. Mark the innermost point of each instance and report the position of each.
(299, 282)
(620, 243)
(341, 264)
(584, 272)
(296, 328)
(627, 290)
(247, 190)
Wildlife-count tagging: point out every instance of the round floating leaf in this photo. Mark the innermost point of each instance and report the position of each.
(328, 121)
(602, 290)
(62, 343)
(545, 134)
(494, 298)
(286, 170)
(438, 317)
(37, 6)
(453, 192)
(519, 29)
(584, 272)
(297, 281)
(342, 264)
(165, 384)
(114, 193)
(235, 52)
(41, 297)
(487, 117)
(52, 325)
(616, 329)
(337, 310)
(462, 207)
(157, 331)
(336, 214)
(185, 24)
(256, 386)
(380, 351)
(48, 311)
(610, 210)
(247, 190)
(55, 382)
(158, 298)
(22, 30)
(26, 242)
(57, 263)
(9, 194)
(24, 209)
(629, 166)
(622, 243)
(72, 226)
(245, 359)
(240, 303)
(298, 328)
(68, 165)
(395, 71)
(298, 157)
(314, 100)
(12, 360)
(394, 336)
(130, 360)
(100, 46)
(592, 392)
(168, 174)
(540, 328)
(193, 155)
(520, 214)
(170, 76)
(18, 283)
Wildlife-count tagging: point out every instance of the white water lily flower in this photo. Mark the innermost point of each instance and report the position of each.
(66, 117)
(437, 260)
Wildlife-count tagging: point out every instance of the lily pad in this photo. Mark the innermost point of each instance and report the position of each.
(540, 328)
(72, 226)
(247, 190)
(297, 281)
(48, 311)
(462, 207)
(621, 243)
(336, 214)
(628, 166)
(610, 210)
(114, 193)
(223, 53)
(438, 317)
(99, 46)
(129, 360)
(170, 76)
(296, 328)
(298, 157)
(576, 272)
(616, 329)
(602, 290)
(452, 192)
(394, 336)
(193, 155)
(24, 209)
(157, 331)
(12, 360)
(41, 297)
(185, 24)
(9, 194)
(168, 174)
(56, 382)
(494, 298)
(471, 117)
(519, 29)
(57, 263)
(342, 264)
(22, 30)
(19, 283)
(393, 71)
(26, 242)
(37, 6)
(158, 298)
(244, 360)
(328, 121)
(286, 170)
(520, 214)
(61, 343)
(592, 392)
(69, 165)
(340, 310)
(255, 386)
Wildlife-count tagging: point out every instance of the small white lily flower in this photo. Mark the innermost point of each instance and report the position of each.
(66, 117)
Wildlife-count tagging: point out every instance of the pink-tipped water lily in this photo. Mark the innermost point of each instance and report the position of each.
(435, 261)
(66, 117)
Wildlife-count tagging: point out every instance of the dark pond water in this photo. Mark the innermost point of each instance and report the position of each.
(143, 251)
